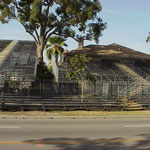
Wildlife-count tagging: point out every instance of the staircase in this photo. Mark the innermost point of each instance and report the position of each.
(131, 105)
(3, 56)
(130, 72)
(6, 51)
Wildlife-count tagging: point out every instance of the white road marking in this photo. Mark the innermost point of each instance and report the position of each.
(136, 126)
(9, 127)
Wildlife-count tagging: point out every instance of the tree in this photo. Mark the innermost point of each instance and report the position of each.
(56, 46)
(43, 72)
(44, 18)
(88, 31)
(77, 69)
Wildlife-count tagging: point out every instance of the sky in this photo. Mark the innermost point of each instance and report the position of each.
(127, 24)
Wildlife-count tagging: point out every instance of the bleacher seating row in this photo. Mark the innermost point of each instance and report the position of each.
(110, 72)
(65, 103)
(141, 70)
(59, 103)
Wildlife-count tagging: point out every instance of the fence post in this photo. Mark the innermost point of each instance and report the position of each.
(127, 87)
(40, 87)
(22, 108)
(3, 103)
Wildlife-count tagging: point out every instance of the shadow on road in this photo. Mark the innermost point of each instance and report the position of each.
(98, 144)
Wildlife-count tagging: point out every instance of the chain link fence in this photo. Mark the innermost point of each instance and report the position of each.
(72, 87)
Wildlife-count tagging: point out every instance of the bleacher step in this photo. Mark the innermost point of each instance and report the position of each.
(5, 52)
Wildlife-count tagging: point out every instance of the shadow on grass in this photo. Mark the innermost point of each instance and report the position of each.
(98, 144)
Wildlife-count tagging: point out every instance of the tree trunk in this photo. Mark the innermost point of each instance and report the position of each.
(82, 93)
(40, 52)
(81, 44)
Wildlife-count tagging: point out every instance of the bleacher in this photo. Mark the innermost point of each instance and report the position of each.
(114, 89)
(21, 62)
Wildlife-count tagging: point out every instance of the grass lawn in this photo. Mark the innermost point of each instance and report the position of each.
(75, 113)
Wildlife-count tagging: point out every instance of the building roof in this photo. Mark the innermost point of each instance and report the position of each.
(111, 51)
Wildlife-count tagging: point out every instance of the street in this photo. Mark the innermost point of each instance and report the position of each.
(75, 134)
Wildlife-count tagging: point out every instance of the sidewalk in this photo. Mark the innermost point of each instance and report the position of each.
(73, 114)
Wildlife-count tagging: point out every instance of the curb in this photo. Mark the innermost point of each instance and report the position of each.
(12, 117)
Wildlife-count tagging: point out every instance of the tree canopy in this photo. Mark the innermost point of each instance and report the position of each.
(78, 19)
(77, 68)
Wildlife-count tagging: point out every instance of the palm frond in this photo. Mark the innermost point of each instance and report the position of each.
(56, 45)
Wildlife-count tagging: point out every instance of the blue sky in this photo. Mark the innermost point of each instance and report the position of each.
(127, 24)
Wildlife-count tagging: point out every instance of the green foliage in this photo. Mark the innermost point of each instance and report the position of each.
(56, 45)
(43, 72)
(148, 38)
(13, 84)
(44, 18)
(86, 25)
(77, 68)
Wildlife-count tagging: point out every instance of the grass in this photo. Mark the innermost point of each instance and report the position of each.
(75, 113)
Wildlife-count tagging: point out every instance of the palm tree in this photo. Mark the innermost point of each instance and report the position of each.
(56, 46)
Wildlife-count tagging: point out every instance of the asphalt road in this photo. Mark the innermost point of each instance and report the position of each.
(75, 134)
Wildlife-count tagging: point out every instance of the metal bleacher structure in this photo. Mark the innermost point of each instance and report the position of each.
(19, 61)
(122, 75)
(118, 85)
(121, 81)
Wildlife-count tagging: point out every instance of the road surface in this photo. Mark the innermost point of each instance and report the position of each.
(75, 134)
